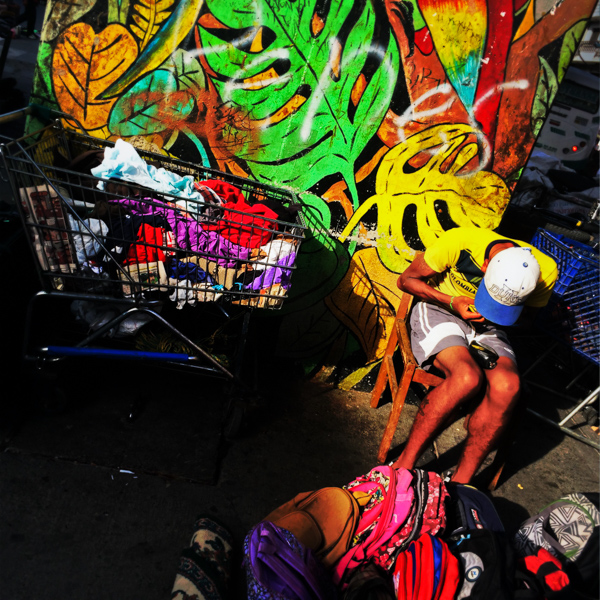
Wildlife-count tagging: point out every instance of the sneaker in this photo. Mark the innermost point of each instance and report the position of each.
(33, 36)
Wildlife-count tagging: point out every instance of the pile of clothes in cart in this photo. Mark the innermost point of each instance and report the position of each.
(402, 534)
(157, 229)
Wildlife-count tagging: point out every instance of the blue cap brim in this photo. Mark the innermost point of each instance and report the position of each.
(493, 311)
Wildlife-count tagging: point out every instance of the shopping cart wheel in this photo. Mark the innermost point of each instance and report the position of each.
(235, 415)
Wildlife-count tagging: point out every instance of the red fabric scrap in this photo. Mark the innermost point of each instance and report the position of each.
(556, 580)
(145, 250)
(227, 192)
(248, 225)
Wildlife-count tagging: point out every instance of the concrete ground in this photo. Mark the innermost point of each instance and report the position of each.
(75, 526)
(78, 520)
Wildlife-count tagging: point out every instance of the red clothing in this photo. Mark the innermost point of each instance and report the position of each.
(226, 191)
(145, 249)
(248, 225)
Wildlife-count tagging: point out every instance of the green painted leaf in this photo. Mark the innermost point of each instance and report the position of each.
(118, 10)
(42, 81)
(569, 46)
(323, 260)
(309, 332)
(306, 117)
(187, 70)
(153, 104)
(547, 87)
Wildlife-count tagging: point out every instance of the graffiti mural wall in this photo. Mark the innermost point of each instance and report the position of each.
(394, 119)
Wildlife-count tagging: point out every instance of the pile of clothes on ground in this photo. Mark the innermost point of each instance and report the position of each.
(399, 534)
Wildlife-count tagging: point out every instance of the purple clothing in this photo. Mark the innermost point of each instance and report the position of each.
(189, 233)
(273, 275)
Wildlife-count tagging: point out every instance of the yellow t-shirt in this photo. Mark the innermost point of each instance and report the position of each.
(458, 254)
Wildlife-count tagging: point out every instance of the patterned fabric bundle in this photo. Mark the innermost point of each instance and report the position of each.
(205, 567)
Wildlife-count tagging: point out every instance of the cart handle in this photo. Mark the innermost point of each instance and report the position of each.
(110, 353)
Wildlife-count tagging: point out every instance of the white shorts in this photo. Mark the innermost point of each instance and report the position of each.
(434, 329)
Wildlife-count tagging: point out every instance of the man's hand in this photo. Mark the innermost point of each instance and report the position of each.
(466, 309)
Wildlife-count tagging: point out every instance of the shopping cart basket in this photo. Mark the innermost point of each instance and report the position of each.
(189, 236)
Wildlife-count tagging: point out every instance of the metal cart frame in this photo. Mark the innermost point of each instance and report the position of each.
(54, 201)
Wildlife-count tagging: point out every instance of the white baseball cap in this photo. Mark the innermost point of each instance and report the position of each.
(509, 279)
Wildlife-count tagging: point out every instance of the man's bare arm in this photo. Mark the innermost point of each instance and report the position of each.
(414, 281)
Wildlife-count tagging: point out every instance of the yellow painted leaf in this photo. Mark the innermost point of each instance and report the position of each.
(85, 64)
(426, 186)
(366, 301)
(150, 14)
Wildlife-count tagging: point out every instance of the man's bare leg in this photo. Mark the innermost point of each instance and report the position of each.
(489, 419)
(463, 379)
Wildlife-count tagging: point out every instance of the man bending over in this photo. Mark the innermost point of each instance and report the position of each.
(469, 282)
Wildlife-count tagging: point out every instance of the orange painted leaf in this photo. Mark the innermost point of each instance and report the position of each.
(84, 64)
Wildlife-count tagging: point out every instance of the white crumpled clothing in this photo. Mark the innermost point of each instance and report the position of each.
(276, 250)
(86, 246)
(123, 162)
(182, 293)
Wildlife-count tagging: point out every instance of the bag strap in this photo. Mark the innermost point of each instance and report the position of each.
(544, 516)
(372, 515)
(280, 557)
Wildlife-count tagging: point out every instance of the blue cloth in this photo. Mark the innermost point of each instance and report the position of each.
(124, 163)
(190, 271)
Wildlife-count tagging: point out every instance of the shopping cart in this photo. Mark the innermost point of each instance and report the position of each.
(190, 236)
(571, 317)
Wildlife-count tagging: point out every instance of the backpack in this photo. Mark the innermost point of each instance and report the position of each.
(487, 564)
(279, 567)
(426, 570)
(428, 515)
(324, 521)
(389, 496)
(468, 508)
(541, 576)
(369, 582)
(398, 506)
(568, 529)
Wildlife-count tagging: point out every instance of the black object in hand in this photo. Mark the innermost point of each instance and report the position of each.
(486, 357)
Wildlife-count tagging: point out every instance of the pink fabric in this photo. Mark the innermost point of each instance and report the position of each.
(434, 520)
(390, 506)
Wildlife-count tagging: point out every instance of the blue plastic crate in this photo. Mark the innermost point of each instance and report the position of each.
(575, 260)
(572, 315)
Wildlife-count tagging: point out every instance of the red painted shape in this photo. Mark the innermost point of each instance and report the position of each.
(493, 65)
(423, 41)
